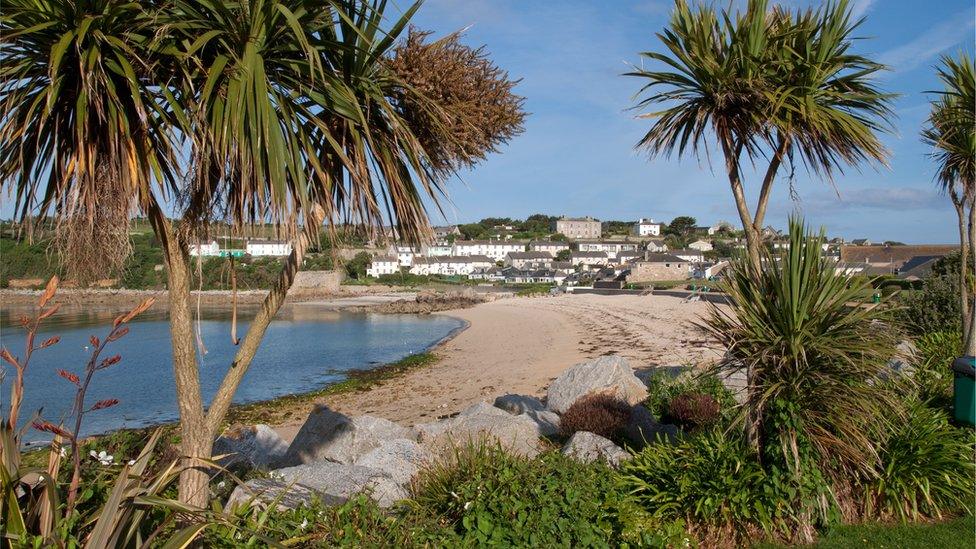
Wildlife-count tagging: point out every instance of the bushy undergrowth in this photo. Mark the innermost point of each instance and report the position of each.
(693, 410)
(935, 306)
(926, 469)
(663, 389)
(934, 353)
(599, 413)
(492, 498)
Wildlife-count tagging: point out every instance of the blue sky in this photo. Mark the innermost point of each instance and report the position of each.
(577, 154)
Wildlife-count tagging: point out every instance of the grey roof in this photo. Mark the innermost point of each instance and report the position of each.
(657, 257)
(489, 242)
(587, 218)
(601, 255)
(549, 243)
(686, 251)
(455, 259)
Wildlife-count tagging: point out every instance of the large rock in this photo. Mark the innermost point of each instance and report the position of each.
(400, 458)
(336, 483)
(547, 422)
(607, 374)
(588, 447)
(642, 428)
(255, 447)
(519, 404)
(329, 435)
(262, 492)
(518, 434)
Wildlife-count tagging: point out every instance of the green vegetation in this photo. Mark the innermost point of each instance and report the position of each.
(535, 226)
(528, 290)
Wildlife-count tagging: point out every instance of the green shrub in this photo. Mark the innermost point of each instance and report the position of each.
(932, 363)
(491, 498)
(926, 469)
(599, 413)
(663, 389)
(935, 306)
(711, 480)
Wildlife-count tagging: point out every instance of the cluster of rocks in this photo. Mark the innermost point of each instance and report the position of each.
(334, 457)
(427, 302)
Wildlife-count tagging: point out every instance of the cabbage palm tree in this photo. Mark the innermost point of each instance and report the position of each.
(769, 87)
(951, 131)
(280, 111)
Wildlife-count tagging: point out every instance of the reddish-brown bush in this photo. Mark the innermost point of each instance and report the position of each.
(599, 413)
(693, 410)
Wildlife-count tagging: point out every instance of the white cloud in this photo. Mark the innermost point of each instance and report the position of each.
(930, 43)
(860, 7)
(880, 198)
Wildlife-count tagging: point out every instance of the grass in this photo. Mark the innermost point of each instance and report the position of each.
(285, 407)
(956, 533)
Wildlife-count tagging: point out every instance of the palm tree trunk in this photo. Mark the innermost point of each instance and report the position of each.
(196, 441)
(255, 332)
(965, 274)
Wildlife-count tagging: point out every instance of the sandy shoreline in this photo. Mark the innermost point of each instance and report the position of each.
(519, 345)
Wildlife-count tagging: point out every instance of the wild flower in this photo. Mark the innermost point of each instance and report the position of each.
(103, 457)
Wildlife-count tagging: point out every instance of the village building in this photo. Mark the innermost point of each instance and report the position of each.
(442, 233)
(579, 227)
(495, 249)
(707, 271)
(656, 245)
(438, 249)
(210, 249)
(647, 227)
(626, 256)
(688, 255)
(701, 246)
(529, 260)
(658, 266)
(450, 265)
(607, 246)
(383, 265)
(271, 248)
(588, 258)
(551, 246)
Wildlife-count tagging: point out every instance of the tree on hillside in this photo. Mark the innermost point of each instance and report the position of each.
(768, 86)
(951, 131)
(293, 114)
(563, 255)
(682, 226)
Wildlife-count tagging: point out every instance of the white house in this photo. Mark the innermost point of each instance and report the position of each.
(701, 245)
(495, 249)
(588, 258)
(526, 260)
(405, 254)
(206, 250)
(656, 245)
(451, 265)
(693, 256)
(276, 248)
(647, 227)
(626, 256)
(708, 270)
(607, 246)
(551, 246)
(383, 265)
(438, 249)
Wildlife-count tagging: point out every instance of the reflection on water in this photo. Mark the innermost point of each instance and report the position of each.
(305, 348)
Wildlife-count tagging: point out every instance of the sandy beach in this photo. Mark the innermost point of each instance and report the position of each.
(518, 345)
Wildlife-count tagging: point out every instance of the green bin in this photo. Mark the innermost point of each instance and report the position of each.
(964, 389)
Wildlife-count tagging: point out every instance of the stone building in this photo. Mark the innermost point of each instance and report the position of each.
(658, 266)
(579, 227)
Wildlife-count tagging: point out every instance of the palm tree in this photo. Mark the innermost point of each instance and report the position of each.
(769, 86)
(287, 111)
(951, 131)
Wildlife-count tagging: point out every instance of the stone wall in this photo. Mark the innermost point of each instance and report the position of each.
(318, 282)
(646, 271)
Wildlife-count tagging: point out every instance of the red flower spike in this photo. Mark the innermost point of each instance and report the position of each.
(69, 376)
(118, 334)
(9, 358)
(48, 427)
(50, 341)
(107, 403)
(49, 291)
(94, 341)
(110, 361)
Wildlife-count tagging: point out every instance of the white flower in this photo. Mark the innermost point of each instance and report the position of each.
(132, 462)
(467, 505)
(303, 525)
(221, 484)
(103, 457)
(63, 452)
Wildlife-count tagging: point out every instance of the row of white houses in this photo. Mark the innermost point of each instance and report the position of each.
(253, 248)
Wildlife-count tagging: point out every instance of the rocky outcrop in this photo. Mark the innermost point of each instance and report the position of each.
(589, 447)
(607, 374)
(546, 422)
(329, 435)
(519, 404)
(254, 447)
(518, 434)
(400, 458)
(262, 492)
(335, 483)
(426, 302)
(642, 428)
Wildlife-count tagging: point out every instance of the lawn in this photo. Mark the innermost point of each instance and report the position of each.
(957, 533)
